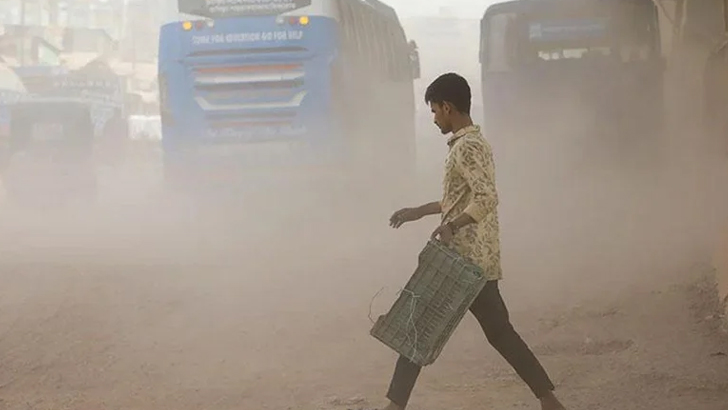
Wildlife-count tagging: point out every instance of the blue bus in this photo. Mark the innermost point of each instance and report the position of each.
(286, 87)
(560, 61)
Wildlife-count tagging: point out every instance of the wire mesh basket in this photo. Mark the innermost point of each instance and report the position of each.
(431, 305)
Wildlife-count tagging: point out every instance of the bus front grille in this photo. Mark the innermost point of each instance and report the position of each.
(249, 88)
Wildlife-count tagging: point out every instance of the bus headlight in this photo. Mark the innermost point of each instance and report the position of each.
(293, 20)
(187, 25)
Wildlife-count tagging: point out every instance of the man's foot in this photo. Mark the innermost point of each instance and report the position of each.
(392, 406)
(550, 402)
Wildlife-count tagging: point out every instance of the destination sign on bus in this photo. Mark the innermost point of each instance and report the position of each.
(250, 37)
(235, 8)
(549, 31)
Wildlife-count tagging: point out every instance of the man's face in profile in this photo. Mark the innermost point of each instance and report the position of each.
(441, 116)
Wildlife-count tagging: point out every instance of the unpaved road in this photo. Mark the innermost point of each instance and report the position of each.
(135, 335)
(603, 280)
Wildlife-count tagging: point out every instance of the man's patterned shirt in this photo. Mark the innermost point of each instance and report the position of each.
(469, 186)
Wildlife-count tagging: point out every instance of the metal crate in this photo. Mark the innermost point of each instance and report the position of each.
(431, 305)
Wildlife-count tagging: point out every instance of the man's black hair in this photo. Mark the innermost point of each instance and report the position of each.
(450, 88)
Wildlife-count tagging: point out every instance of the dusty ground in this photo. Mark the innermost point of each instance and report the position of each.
(605, 278)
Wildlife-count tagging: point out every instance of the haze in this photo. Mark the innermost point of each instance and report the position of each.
(148, 301)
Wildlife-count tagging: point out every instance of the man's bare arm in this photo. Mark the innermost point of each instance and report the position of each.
(405, 215)
(432, 208)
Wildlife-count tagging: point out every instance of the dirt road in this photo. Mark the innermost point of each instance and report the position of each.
(105, 334)
(273, 312)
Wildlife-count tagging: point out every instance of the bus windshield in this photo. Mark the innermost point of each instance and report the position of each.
(624, 30)
(239, 8)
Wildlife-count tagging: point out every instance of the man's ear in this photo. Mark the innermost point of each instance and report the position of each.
(446, 107)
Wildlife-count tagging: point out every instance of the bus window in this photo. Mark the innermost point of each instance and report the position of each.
(636, 36)
(501, 42)
(368, 37)
(574, 53)
(348, 29)
(360, 34)
(383, 47)
(391, 56)
(373, 39)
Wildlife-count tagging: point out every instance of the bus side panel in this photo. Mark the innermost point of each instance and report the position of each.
(375, 88)
(171, 74)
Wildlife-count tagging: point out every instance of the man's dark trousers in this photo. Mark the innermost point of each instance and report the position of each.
(492, 314)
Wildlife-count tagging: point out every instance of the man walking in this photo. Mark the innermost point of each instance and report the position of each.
(470, 226)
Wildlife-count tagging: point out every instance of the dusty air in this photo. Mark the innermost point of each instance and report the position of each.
(363, 204)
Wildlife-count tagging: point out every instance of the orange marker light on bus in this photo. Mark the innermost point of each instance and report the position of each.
(303, 20)
(187, 25)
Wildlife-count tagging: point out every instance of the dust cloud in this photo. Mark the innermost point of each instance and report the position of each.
(148, 300)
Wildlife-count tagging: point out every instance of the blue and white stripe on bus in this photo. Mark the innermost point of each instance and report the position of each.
(292, 103)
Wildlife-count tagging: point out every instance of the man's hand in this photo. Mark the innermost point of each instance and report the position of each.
(445, 233)
(405, 215)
